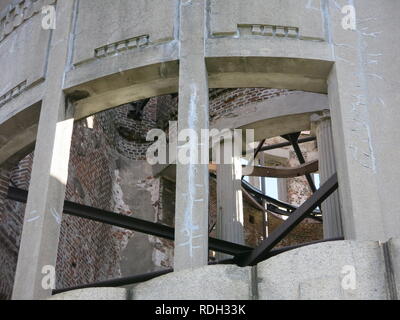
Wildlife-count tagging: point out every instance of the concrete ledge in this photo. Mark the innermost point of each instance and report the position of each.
(324, 271)
(219, 282)
(93, 294)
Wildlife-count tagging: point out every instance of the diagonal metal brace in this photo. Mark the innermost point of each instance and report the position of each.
(293, 138)
(261, 252)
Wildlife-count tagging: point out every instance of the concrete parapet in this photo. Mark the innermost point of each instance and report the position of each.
(331, 270)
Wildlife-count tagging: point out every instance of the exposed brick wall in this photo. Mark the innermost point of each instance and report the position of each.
(223, 102)
(12, 215)
(253, 225)
(127, 135)
(87, 249)
(166, 215)
(212, 207)
(306, 231)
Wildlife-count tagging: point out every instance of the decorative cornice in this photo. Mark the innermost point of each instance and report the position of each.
(271, 31)
(10, 94)
(19, 11)
(265, 30)
(128, 44)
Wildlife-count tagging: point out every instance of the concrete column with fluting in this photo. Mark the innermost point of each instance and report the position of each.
(229, 201)
(39, 242)
(192, 185)
(332, 220)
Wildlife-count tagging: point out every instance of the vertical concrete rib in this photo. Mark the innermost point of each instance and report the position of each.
(191, 216)
(43, 214)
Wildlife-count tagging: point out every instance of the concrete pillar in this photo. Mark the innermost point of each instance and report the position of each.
(191, 217)
(230, 222)
(282, 189)
(364, 100)
(332, 220)
(39, 241)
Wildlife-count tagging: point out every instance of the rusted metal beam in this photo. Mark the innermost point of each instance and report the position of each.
(283, 172)
(284, 144)
(276, 171)
(252, 201)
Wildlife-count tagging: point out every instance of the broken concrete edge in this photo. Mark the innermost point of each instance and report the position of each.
(343, 270)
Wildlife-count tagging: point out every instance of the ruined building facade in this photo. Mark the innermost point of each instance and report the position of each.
(77, 194)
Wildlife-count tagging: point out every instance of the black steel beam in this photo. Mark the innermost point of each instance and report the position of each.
(259, 148)
(251, 189)
(119, 282)
(254, 192)
(294, 219)
(293, 138)
(131, 223)
(104, 216)
(283, 144)
(256, 151)
(277, 251)
(286, 144)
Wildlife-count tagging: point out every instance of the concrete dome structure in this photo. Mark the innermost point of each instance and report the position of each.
(102, 54)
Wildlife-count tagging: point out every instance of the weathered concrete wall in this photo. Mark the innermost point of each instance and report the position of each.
(319, 272)
(131, 25)
(206, 283)
(20, 31)
(229, 16)
(364, 104)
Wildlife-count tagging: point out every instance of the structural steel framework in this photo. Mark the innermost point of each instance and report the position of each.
(243, 255)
